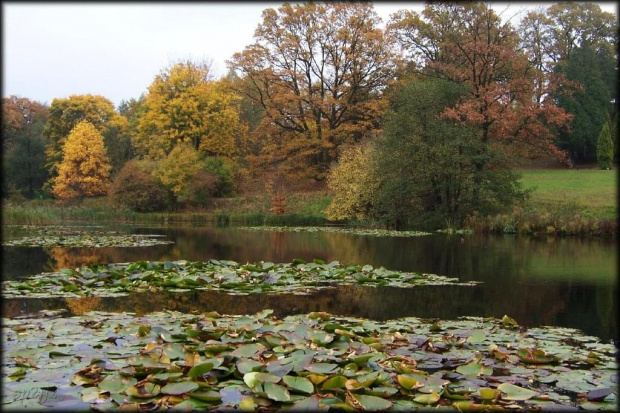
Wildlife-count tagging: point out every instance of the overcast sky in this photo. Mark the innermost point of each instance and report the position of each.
(115, 50)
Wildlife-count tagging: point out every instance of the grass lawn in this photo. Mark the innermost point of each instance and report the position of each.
(590, 188)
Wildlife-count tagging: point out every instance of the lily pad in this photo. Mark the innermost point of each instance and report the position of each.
(372, 403)
(144, 276)
(300, 384)
(179, 387)
(513, 392)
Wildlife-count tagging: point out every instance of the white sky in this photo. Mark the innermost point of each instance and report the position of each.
(115, 50)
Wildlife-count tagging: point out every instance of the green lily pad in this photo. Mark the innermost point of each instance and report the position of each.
(144, 390)
(372, 403)
(179, 387)
(474, 369)
(200, 370)
(300, 384)
(427, 399)
(257, 377)
(513, 392)
(277, 392)
(334, 382)
(116, 384)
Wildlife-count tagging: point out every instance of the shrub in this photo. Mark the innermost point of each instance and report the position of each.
(202, 187)
(136, 188)
(225, 173)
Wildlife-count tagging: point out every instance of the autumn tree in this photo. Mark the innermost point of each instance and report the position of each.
(23, 145)
(317, 70)
(467, 43)
(185, 105)
(85, 168)
(554, 32)
(66, 113)
(577, 41)
(354, 183)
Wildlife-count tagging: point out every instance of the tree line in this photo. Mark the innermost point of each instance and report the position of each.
(426, 117)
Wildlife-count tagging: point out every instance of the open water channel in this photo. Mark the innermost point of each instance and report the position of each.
(569, 282)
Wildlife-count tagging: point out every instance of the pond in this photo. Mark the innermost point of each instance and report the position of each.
(568, 282)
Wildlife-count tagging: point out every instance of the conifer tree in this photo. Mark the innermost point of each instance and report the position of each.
(85, 168)
(605, 147)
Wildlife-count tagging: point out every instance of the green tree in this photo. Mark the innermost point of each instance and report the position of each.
(424, 167)
(605, 147)
(590, 104)
(66, 113)
(506, 101)
(85, 168)
(23, 146)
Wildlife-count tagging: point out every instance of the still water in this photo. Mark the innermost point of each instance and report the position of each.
(567, 282)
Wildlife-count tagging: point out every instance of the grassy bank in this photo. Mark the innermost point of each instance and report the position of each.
(301, 208)
(594, 191)
(563, 202)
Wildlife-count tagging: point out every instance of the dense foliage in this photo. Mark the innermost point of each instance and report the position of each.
(184, 105)
(605, 147)
(423, 169)
(136, 187)
(317, 70)
(65, 114)
(85, 169)
(315, 98)
(590, 104)
(23, 146)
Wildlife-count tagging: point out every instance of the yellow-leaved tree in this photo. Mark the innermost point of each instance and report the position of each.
(354, 182)
(85, 167)
(177, 170)
(184, 105)
(66, 113)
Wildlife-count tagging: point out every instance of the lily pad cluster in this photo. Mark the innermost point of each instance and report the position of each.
(299, 277)
(95, 239)
(356, 231)
(303, 362)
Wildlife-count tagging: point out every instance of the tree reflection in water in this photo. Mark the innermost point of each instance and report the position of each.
(549, 281)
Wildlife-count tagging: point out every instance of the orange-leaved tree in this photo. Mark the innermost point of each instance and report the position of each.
(85, 168)
(468, 43)
(318, 70)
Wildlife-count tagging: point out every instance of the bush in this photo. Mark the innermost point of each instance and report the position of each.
(225, 173)
(136, 188)
(202, 187)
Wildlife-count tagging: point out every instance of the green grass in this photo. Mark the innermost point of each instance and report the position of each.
(566, 200)
(595, 190)
(304, 208)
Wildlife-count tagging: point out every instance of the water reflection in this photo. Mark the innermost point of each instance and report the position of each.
(566, 282)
